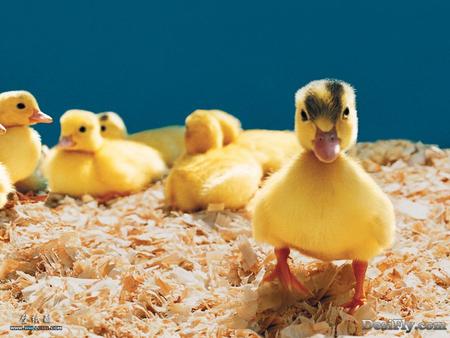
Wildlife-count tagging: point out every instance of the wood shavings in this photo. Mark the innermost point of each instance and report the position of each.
(130, 268)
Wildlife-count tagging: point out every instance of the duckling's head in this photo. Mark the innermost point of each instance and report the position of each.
(20, 108)
(203, 132)
(80, 131)
(112, 125)
(325, 119)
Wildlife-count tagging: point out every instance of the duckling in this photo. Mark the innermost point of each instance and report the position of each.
(272, 148)
(86, 163)
(323, 203)
(112, 125)
(20, 146)
(169, 141)
(209, 172)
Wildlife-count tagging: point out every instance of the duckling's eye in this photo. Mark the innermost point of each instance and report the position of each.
(304, 116)
(345, 113)
(20, 105)
(103, 128)
(82, 129)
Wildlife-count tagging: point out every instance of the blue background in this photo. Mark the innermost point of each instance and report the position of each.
(155, 62)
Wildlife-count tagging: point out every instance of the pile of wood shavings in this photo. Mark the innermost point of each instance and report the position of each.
(133, 269)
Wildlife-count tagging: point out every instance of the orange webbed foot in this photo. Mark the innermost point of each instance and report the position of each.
(284, 274)
(351, 306)
(359, 271)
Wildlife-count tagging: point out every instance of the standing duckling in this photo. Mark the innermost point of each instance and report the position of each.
(86, 163)
(169, 141)
(323, 203)
(20, 146)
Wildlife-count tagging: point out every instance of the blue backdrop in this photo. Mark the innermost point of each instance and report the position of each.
(155, 62)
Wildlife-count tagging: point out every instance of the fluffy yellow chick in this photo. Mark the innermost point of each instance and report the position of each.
(323, 203)
(86, 163)
(272, 148)
(112, 125)
(211, 173)
(20, 146)
(169, 141)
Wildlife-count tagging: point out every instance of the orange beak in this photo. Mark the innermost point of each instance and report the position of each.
(39, 117)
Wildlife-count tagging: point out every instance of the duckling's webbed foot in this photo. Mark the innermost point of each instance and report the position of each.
(359, 270)
(284, 274)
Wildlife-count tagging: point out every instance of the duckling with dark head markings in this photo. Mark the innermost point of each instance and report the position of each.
(323, 203)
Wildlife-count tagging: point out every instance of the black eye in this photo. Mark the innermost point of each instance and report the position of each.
(20, 105)
(82, 129)
(345, 113)
(103, 128)
(304, 116)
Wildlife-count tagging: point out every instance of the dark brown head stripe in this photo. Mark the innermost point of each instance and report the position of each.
(317, 106)
(104, 117)
(336, 90)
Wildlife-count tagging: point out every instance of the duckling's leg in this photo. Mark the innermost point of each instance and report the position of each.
(284, 274)
(359, 270)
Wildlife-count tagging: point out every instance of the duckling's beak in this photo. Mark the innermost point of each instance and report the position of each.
(2, 129)
(39, 117)
(326, 145)
(66, 142)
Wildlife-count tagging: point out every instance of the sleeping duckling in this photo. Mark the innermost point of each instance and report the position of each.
(272, 148)
(323, 203)
(202, 130)
(86, 163)
(169, 141)
(20, 146)
(210, 173)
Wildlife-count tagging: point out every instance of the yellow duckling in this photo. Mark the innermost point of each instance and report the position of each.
(20, 146)
(112, 125)
(323, 203)
(86, 163)
(272, 148)
(211, 173)
(169, 141)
